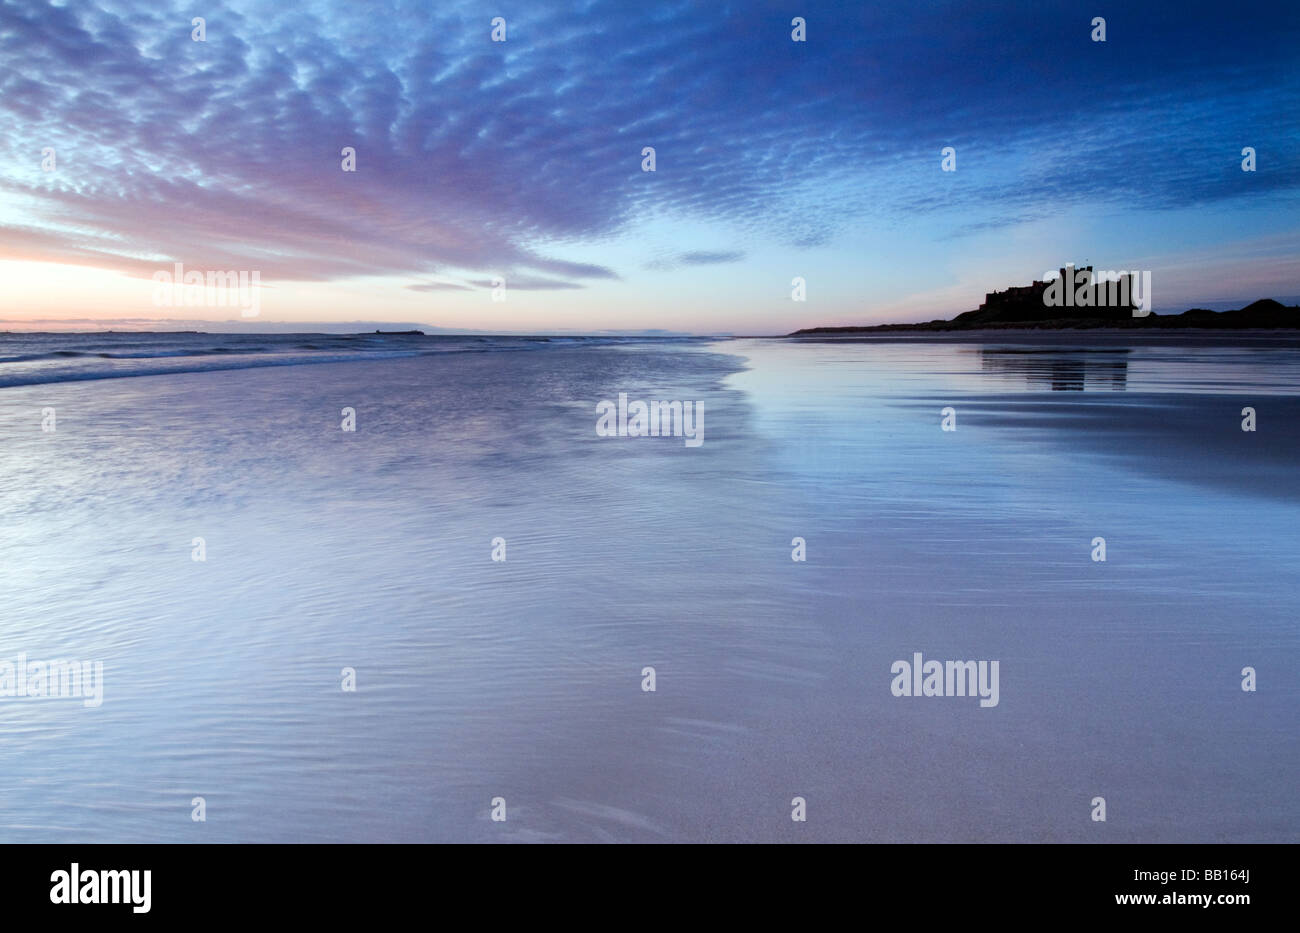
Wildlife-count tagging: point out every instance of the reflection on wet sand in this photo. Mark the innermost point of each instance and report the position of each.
(1064, 370)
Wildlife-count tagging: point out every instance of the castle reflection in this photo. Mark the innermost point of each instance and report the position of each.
(1061, 370)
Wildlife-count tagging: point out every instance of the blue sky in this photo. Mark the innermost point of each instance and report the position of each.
(522, 159)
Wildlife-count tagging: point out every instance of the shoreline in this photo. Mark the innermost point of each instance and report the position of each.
(1190, 337)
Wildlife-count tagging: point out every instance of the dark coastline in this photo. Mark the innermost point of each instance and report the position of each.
(1189, 337)
(1266, 318)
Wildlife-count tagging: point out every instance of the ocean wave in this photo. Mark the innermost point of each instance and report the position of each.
(107, 356)
(50, 376)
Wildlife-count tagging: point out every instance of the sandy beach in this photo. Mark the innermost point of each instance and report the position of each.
(523, 678)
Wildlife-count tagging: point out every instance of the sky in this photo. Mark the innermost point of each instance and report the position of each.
(521, 161)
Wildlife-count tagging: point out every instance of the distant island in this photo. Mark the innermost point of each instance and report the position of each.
(401, 333)
(1100, 303)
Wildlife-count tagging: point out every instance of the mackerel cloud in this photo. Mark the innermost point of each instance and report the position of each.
(476, 158)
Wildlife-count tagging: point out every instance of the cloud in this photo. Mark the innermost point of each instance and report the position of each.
(702, 258)
(479, 156)
(526, 283)
(695, 258)
(437, 287)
